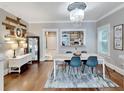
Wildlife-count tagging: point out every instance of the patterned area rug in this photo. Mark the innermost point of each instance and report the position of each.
(74, 78)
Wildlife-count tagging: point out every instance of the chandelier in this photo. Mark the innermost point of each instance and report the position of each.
(76, 10)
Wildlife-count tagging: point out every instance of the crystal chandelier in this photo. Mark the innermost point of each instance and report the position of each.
(76, 10)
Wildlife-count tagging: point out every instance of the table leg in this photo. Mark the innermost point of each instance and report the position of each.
(9, 69)
(103, 64)
(19, 70)
(54, 69)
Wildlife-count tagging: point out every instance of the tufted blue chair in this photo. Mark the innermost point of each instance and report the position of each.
(91, 62)
(75, 62)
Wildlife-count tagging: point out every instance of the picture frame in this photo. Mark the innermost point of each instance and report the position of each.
(118, 37)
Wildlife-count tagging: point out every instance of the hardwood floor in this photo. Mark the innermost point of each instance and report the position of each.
(34, 78)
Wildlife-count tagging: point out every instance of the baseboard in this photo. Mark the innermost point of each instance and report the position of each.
(6, 71)
(42, 59)
(121, 71)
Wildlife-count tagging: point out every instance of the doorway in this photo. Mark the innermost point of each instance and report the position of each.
(50, 43)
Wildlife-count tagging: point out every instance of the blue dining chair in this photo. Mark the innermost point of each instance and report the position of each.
(91, 62)
(75, 62)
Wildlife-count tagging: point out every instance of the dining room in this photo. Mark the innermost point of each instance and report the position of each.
(73, 51)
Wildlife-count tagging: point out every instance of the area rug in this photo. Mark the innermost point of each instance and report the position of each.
(74, 78)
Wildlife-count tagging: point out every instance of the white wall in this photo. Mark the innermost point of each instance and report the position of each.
(5, 49)
(1, 76)
(90, 27)
(114, 19)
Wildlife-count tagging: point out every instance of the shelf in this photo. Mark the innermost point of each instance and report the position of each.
(16, 21)
(8, 26)
(12, 25)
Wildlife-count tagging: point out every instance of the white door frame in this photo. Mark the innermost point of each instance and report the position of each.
(44, 40)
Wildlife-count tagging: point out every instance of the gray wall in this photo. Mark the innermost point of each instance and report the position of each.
(114, 19)
(90, 28)
(4, 48)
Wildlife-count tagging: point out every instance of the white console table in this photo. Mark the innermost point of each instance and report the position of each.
(18, 62)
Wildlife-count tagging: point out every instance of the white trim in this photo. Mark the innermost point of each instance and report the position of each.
(42, 59)
(64, 21)
(84, 30)
(6, 71)
(49, 30)
(121, 71)
(62, 1)
(111, 12)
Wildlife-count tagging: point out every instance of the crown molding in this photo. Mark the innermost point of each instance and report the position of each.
(31, 22)
(111, 12)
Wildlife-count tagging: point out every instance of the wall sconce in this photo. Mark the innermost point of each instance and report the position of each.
(14, 46)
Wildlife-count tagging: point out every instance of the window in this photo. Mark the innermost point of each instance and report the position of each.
(103, 39)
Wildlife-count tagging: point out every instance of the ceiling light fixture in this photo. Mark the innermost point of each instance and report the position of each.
(76, 10)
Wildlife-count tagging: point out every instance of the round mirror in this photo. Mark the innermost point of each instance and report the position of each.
(18, 32)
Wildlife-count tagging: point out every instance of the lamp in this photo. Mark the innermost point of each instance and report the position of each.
(14, 46)
(21, 44)
(24, 46)
(76, 10)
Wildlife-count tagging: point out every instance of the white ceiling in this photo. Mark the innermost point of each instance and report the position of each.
(56, 11)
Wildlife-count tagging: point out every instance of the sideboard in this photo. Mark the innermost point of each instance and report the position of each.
(16, 63)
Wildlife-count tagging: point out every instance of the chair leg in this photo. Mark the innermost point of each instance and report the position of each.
(77, 69)
(96, 69)
(68, 69)
(92, 69)
(83, 68)
(65, 67)
(74, 70)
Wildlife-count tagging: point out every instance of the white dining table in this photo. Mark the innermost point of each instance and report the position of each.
(59, 59)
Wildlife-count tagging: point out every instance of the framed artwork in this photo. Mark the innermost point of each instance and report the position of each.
(118, 37)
